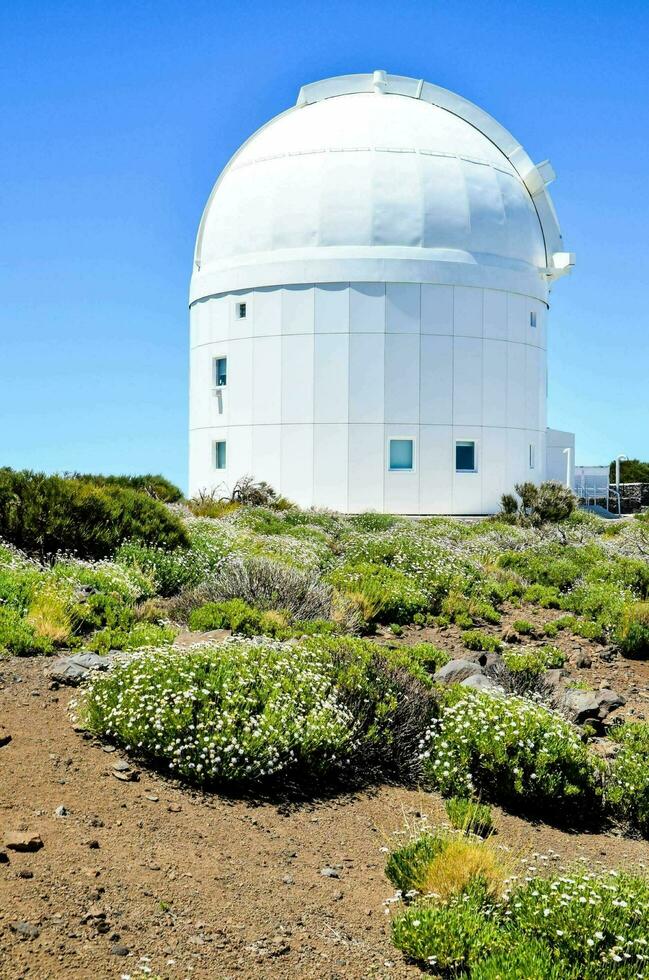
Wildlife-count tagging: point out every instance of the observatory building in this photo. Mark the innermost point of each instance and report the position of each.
(369, 306)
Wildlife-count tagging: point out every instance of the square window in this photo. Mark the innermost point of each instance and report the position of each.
(241, 310)
(219, 455)
(401, 454)
(532, 455)
(465, 457)
(220, 372)
(532, 319)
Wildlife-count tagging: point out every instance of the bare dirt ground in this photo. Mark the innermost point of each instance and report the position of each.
(202, 886)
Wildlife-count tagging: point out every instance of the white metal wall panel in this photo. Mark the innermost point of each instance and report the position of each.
(516, 385)
(467, 381)
(240, 380)
(436, 383)
(219, 318)
(533, 373)
(267, 380)
(402, 307)
(331, 377)
(297, 309)
(494, 382)
(297, 463)
(518, 318)
(494, 468)
(297, 378)
(436, 309)
(495, 314)
(238, 454)
(267, 454)
(436, 455)
(366, 467)
(330, 466)
(366, 377)
(467, 312)
(268, 312)
(402, 378)
(332, 308)
(367, 307)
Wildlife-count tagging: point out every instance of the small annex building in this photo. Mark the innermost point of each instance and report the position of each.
(369, 306)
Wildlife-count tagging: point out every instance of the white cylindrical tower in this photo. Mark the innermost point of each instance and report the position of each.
(368, 305)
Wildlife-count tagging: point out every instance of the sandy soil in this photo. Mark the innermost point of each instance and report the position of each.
(202, 886)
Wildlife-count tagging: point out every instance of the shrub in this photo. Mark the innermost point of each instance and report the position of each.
(236, 713)
(627, 788)
(469, 816)
(155, 485)
(449, 937)
(547, 596)
(632, 635)
(18, 638)
(463, 610)
(393, 596)
(264, 584)
(237, 615)
(138, 637)
(43, 515)
(549, 502)
(524, 627)
(171, 571)
(370, 522)
(534, 660)
(475, 640)
(572, 925)
(50, 614)
(406, 865)
(510, 751)
(207, 503)
(387, 693)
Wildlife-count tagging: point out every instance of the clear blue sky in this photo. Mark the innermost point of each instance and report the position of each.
(117, 118)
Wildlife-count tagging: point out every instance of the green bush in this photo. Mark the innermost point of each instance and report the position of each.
(512, 752)
(237, 615)
(568, 926)
(43, 515)
(627, 787)
(469, 816)
(449, 937)
(174, 570)
(153, 484)
(18, 638)
(546, 596)
(534, 660)
(245, 713)
(140, 636)
(236, 713)
(524, 627)
(548, 502)
(391, 594)
(370, 522)
(632, 635)
(475, 640)
(405, 865)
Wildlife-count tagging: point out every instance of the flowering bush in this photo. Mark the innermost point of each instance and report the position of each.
(627, 788)
(393, 595)
(565, 927)
(511, 751)
(228, 714)
(534, 660)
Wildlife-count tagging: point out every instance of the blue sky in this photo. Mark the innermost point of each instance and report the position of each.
(117, 118)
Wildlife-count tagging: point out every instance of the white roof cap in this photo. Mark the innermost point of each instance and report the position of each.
(373, 169)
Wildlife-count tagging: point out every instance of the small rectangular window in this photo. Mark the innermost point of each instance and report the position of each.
(401, 454)
(219, 455)
(532, 455)
(242, 310)
(220, 372)
(465, 457)
(532, 319)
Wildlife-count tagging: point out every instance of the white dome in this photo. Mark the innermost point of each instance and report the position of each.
(369, 169)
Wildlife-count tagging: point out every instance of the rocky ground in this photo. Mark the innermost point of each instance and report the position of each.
(119, 873)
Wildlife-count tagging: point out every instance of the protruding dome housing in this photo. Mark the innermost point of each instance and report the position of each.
(378, 167)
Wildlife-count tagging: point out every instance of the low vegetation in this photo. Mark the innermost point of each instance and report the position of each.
(329, 675)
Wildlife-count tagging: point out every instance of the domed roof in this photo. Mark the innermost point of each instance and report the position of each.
(376, 168)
